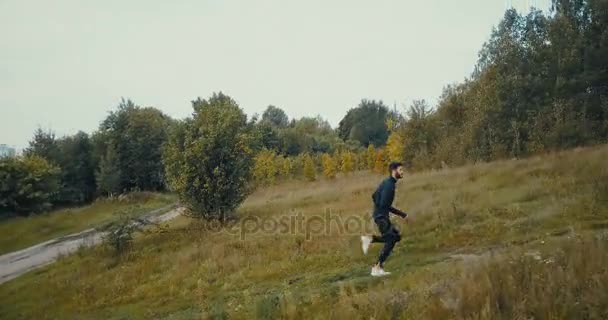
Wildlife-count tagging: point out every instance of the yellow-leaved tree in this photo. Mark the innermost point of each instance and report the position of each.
(381, 162)
(286, 167)
(395, 146)
(347, 162)
(309, 168)
(329, 166)
(371, 156)
(265, 169)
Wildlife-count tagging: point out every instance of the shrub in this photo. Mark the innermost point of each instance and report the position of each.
(207, 158)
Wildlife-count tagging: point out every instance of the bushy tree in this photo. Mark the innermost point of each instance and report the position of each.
(275, 117)
(108, 174)
(77, 169)
(137, 135)
(44, 144)
(74, 156)
(265, 169)
(27, 184)
(208, 158)
(366, 123)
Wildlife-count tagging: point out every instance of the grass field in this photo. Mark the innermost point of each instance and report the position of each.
(22, 232)
(514, 239)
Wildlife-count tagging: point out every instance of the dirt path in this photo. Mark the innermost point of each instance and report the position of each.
(19, 262)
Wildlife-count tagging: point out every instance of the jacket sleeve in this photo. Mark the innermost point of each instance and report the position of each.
(397, 212)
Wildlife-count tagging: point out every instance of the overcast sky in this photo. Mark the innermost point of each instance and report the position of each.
(65, 64)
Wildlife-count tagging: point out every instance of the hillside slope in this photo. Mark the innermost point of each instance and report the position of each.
(507, 239)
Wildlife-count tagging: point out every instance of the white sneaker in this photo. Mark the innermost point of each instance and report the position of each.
(379, 272)
(365, 242)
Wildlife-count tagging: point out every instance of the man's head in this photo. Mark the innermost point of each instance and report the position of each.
(396, 170)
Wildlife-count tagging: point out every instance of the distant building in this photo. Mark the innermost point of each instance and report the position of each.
(6, 151)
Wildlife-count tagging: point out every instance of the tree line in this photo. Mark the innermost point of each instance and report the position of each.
(540, 84)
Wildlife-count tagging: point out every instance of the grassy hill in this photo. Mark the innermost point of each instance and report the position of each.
(501, 240)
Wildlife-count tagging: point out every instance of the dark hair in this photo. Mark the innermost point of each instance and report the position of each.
(394, 165)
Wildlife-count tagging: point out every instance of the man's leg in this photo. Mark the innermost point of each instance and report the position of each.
(384, 226)
(390, 236)
(387, 249)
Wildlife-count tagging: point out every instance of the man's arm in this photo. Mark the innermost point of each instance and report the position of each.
(398, 212)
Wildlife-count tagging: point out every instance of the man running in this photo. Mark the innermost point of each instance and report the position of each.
(383, 201)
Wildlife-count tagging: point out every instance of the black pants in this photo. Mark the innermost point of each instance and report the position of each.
(389, 236)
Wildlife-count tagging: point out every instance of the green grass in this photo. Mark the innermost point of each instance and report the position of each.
(22, 232)
(502, 240)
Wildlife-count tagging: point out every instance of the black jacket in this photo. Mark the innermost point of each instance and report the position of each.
(383, 199)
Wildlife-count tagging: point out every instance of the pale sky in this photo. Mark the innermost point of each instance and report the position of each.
(65, 64)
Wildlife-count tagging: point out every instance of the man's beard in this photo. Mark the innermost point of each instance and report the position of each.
(398, 175)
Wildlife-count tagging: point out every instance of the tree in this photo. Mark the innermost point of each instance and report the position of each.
(362, 160)
(265, 167)
(266, 137)
(286, 167)
(394, 146)
(371, 156)
(329, 166)
(275, 117)
(44, 144)
(381, 162)
(108, 174)
(207, 158)
(365, 123)
(418, 133)
(28, 184)
(311, 135)
(77, 169)
(347, 163)
(137, 135)
(73, 155)
(309, 168)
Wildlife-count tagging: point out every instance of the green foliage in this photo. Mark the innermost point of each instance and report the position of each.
(27, 184)
(108, 174)
(137, 135)
(44, 144)
(208, 158)
(266, 137)
(119, 234)
(418, 136)
(366, 123)
(539, 85)
(74, 156)
(275, 117)
(77, 169)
